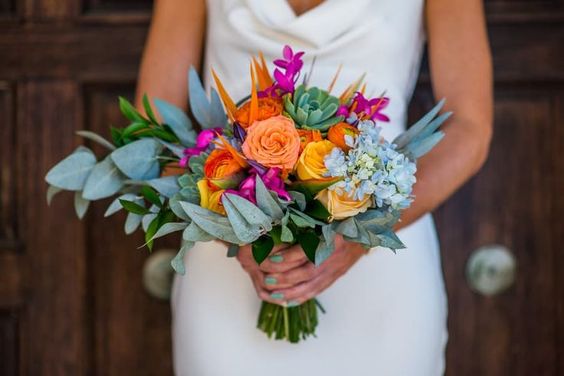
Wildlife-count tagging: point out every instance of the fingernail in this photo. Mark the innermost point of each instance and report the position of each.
(276, 258)
(292, 303)
(270, 281)
(277, 296)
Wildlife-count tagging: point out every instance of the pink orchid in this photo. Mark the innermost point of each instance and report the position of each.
(366, 108)
(287, 76)
(203, 141)
(271, 179)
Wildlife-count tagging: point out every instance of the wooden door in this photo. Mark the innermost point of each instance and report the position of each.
(71, 295)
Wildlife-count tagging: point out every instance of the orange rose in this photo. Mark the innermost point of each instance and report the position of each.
(267, 108)
(210, 200)
(307, 136)
(273, 142)
(338, 132)
(222, 170)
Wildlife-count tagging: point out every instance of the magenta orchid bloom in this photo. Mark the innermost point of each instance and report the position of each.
(203, 141)
(287, 73)
(271, 179)
(366, 108)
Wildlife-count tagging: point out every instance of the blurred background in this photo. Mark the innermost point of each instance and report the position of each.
(73, 300)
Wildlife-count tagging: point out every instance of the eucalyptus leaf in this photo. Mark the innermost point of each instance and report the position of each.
(72, 172)
(174, 204)
(169, 228)
(299, 198)
(80, 204)
(323, 252)
(51, 192)
(212, 223)
(348, 228)
(195, 233)
(138, 160)
(166, 186)
(390, 240)
(265, 201)
(208, 115)
(247, 220)
(286, 235)
(177, 262)
(175, 149)
(177, 120)
(97, 138)
(132, 223)
(104, 180)
(146, 221)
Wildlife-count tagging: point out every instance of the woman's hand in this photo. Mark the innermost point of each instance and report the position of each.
(288, 277)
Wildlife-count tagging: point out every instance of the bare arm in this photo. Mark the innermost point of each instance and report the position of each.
(174, 43)
(461, 71)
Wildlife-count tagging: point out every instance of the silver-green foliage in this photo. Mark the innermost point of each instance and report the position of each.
(312, 108)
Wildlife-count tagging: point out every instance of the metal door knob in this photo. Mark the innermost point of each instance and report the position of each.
(158, 274)
(491, 269)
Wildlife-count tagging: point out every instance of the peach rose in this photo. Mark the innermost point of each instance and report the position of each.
(311, 164)
(273, 142)
(267, 108)
(338, 132)
(222, 170)
(342, 205)
(209, 199)
(307, 136)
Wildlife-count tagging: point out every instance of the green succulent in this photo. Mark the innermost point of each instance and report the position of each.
(312, 108)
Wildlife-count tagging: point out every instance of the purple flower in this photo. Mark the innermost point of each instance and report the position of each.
(203, 141)
(366, 108)
(287, 73)
(271, 179)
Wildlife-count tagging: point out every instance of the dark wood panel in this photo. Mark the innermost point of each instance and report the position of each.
(131, 329)
(116, 5)
(511, 202)
(53, 322)
(8, 226)
(7, 7)
(9, 342)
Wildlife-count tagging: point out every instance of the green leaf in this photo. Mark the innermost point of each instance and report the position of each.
(129, 111)
(116, 206)
(169, 228)
(72, 172)
(262, 248)
(309, 242)
(134, 208)
(149, 109)
(97, 138)
(311, 187)
(151, 195)
(138, 160)
(316, 210)
(151, 231)
(104, 180)
(133, 128)
(116, 135)
(286, 235)
(276, 235)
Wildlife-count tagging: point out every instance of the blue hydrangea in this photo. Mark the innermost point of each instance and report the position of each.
(373, 167)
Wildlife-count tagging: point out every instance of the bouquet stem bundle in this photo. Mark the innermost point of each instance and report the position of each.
(289, 323)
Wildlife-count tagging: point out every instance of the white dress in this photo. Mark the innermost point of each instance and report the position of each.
(387, 315)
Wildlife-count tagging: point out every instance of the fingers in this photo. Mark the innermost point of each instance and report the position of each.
(284, 260)
(292, 277)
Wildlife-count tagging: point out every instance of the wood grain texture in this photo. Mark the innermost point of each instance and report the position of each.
(131, 329)
(54, 321)
(8, 225)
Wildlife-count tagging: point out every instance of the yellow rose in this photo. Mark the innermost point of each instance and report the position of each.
(311, 164)
(342, 205)
(209, 199)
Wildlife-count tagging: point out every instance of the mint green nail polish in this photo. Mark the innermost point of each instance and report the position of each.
(270, 281)
(277, 296)
(292, 303)
(276, 258)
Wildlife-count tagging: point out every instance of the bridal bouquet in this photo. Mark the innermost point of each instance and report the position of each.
(290, 163)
